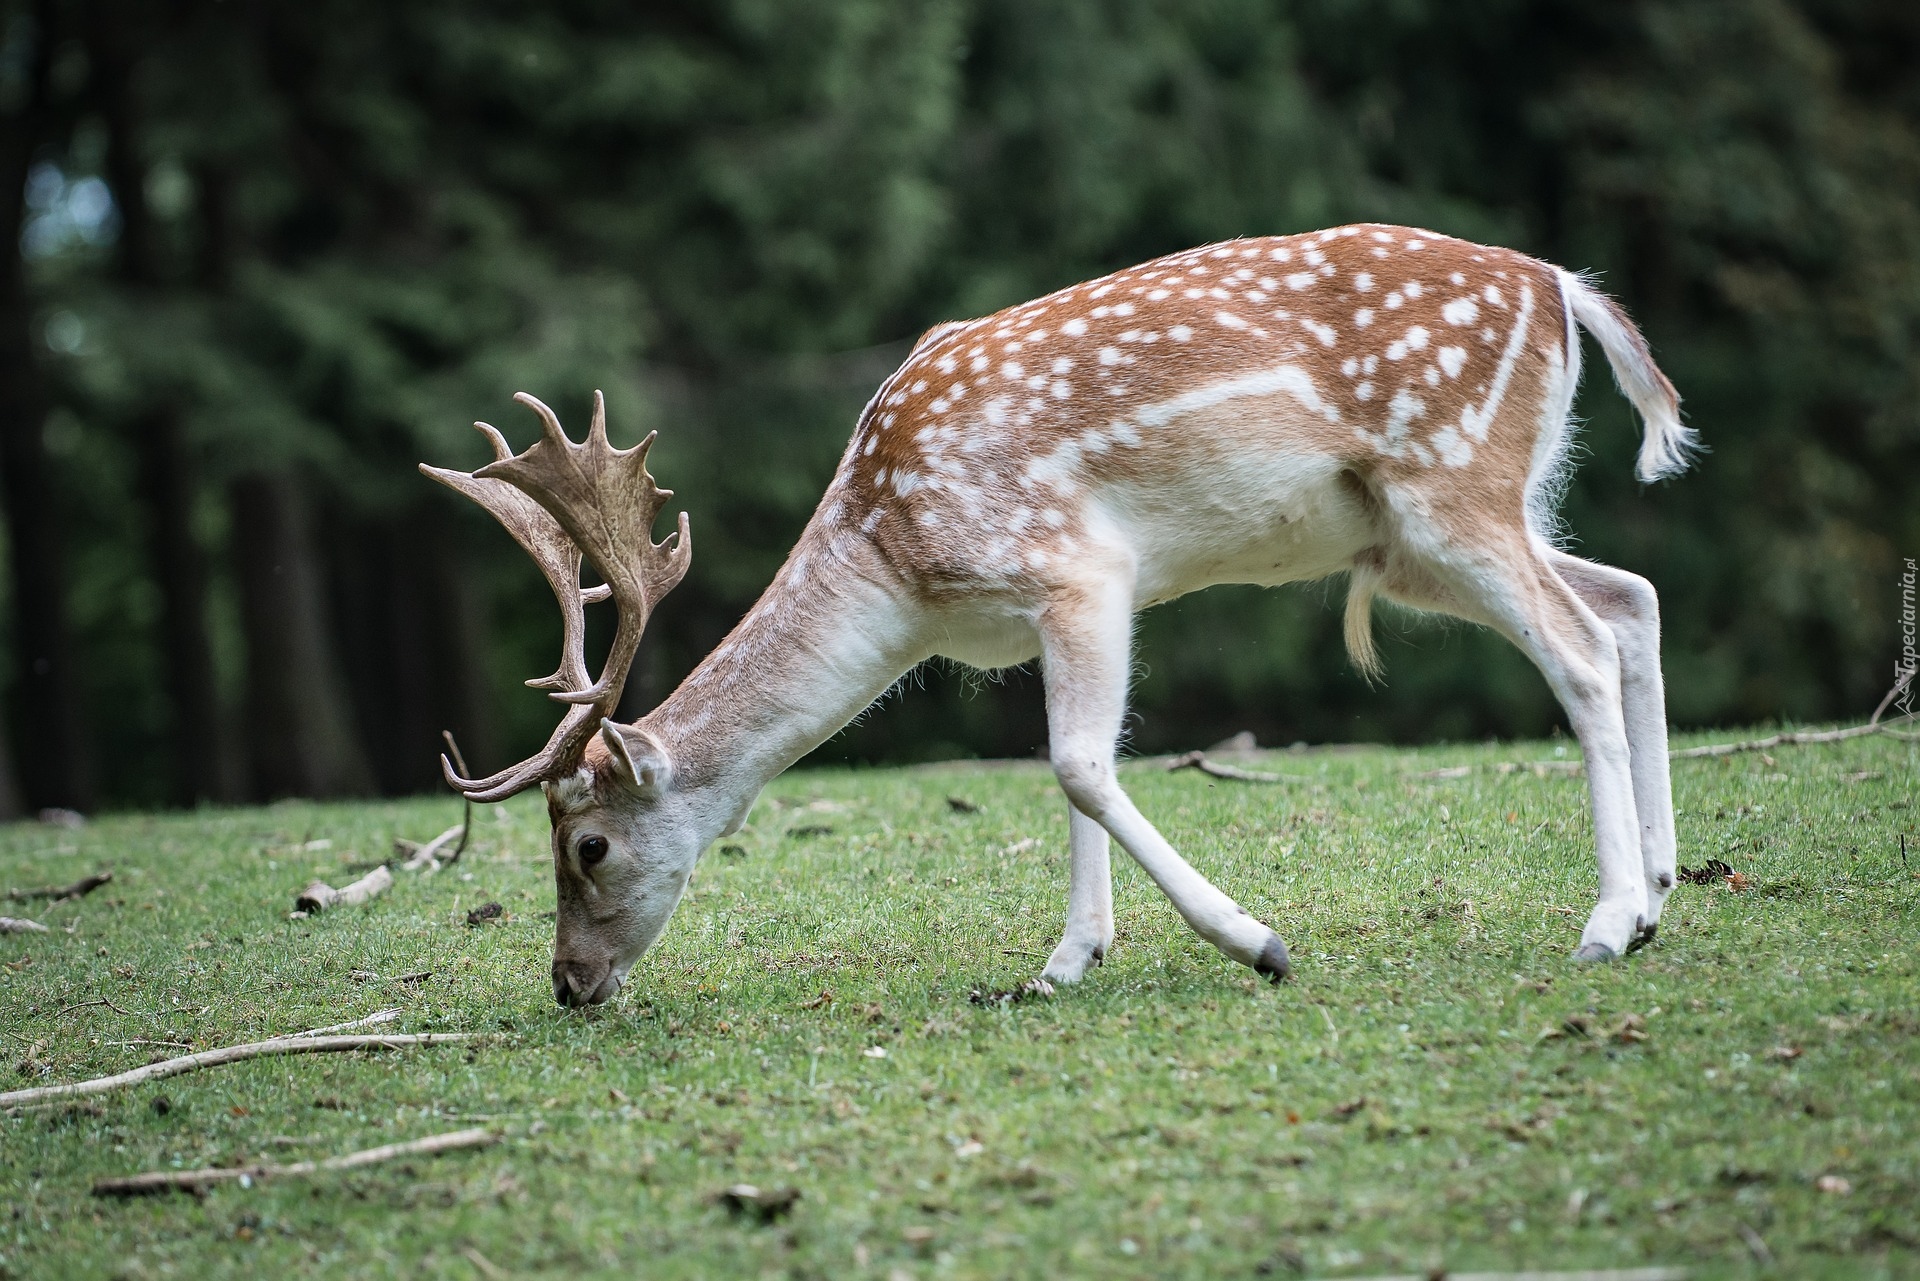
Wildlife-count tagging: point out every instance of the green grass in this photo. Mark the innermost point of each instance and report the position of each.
(1411, 1100)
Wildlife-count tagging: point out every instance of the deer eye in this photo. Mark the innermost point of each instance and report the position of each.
(592, 849)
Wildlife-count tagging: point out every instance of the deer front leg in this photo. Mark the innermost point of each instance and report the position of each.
(1089, 902)
(1086, 630)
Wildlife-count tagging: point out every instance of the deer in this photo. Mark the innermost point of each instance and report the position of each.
(1382, 402)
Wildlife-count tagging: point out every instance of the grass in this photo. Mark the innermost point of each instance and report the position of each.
(1438, 1087)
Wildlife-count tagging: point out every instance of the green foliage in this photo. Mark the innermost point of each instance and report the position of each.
(1438, 1087)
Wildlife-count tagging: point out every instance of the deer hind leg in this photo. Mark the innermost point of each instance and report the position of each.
(1089, 930)
(1086, 633)
(1517, 591)
(1627, 604)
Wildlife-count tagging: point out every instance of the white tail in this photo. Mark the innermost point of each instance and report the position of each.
(1668, 446)
(1377, 401)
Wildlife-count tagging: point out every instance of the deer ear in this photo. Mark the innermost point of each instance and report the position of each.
(638, 757)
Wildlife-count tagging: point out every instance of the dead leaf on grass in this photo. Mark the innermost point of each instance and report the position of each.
(1715, 870)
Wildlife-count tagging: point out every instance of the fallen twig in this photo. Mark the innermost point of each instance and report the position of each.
(466, 813)
(197, 1181)
(61, 893)
(1199, 761)
(372, 1020)
(1787, 739)
(1874, 725)
(229, 1054)
(15, 925)
(81, 1005)
(426, 855)
(320, 896)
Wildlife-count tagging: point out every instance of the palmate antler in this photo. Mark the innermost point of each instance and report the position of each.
(560, 500)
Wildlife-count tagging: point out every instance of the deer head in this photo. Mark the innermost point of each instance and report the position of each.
(562, 501)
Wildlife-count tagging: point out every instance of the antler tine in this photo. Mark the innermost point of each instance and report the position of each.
(561, 500)
(597, 430)
(500, 447)
(550, 428)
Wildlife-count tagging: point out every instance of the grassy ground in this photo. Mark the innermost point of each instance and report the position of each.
(1438, 1086)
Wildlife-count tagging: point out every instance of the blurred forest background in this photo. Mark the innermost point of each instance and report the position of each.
(272, 255)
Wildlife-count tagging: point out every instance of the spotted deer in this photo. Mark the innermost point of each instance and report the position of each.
(1377, 401)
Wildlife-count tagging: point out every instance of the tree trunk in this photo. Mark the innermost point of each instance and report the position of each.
(166, 466)
(416, 653)
(200, 759)
(299, 720)
(55, 764)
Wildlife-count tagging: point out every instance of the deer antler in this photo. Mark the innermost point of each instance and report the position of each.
(560, 500)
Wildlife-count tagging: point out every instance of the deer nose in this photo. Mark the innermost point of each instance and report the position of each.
(568, 990)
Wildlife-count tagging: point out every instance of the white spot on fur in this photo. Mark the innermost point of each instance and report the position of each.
(1417, 338)
(1228, 319)
(1363, 317)
(1013, 371)
(1452, 359)
(1363, 282)
(1455, 451)
(1461, 311)
(1395, 300)
(1180, 333)
(1363, 392)
(1325, 333)
(1075, 327)
(1300, 280)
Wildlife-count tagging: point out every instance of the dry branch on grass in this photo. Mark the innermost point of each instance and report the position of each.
(1788, 739)
(15, 925)
(61, 893)
(320, 896)
(1199, 761)
(198, 1181)
(302, 1043)
(426, 856)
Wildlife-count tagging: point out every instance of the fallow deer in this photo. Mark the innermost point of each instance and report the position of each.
(1380, 401)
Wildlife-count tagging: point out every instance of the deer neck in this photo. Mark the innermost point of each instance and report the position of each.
(831, 634)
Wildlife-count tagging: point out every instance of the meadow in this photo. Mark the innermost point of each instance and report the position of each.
(1438, 1087)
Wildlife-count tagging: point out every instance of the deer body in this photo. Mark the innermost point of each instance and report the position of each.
(1373, 400)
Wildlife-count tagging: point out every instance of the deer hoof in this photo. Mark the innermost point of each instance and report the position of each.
(1273, 960)
(1595, 952)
